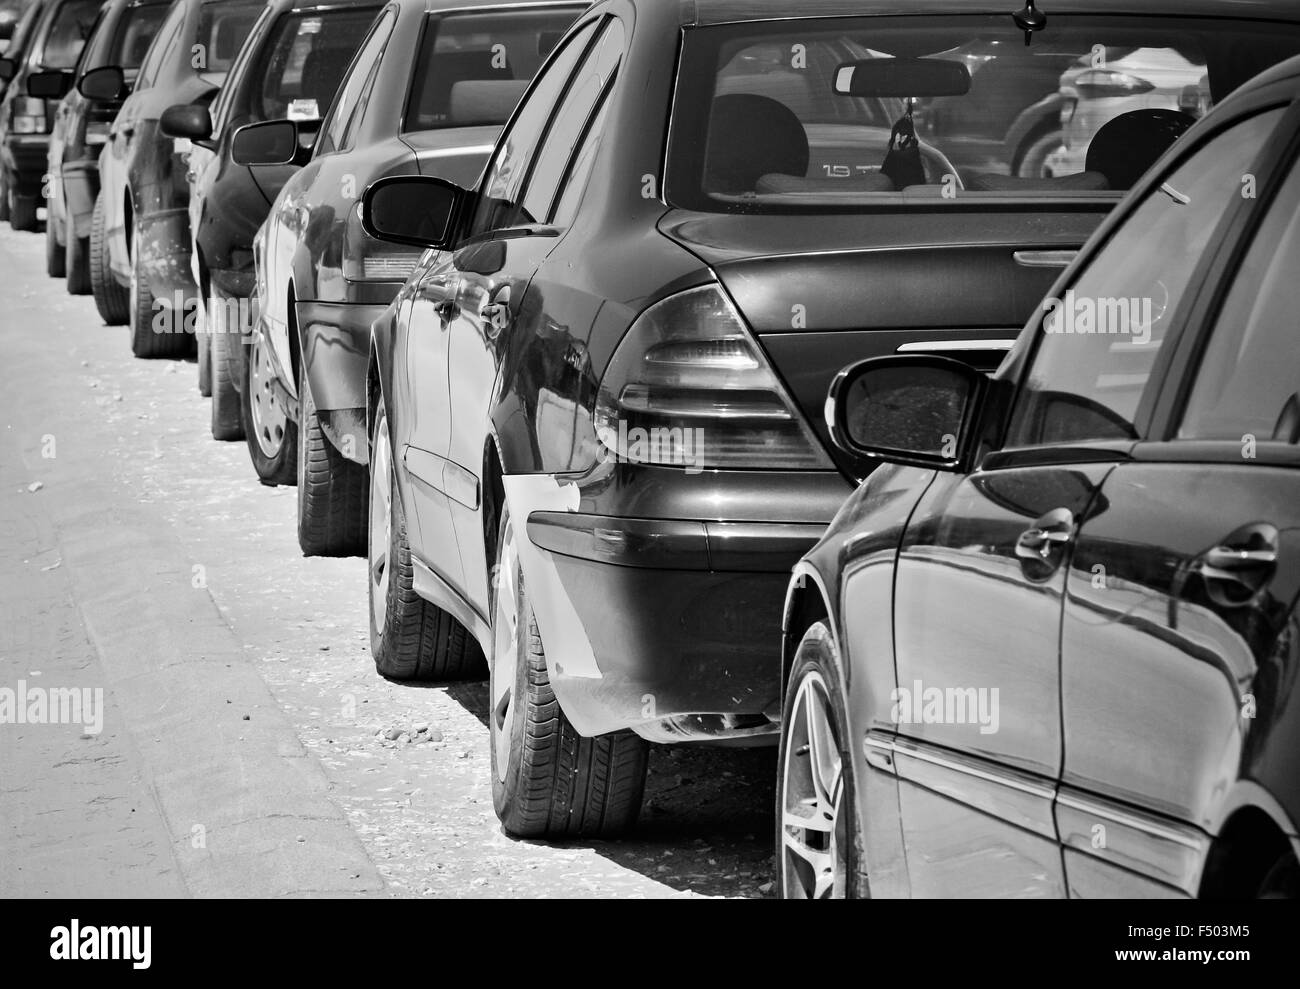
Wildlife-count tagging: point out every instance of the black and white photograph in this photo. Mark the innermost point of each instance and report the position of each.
(529, 450)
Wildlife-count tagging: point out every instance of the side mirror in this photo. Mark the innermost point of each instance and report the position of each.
(106, 84)
(50, 84)
(917, 410)
(8, 69)
(413, 209)
(269, 142)
(190, 120)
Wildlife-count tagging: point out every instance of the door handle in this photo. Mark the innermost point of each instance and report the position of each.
(127, 131)
(1038, 544)
(1239, 568)
(447, 310)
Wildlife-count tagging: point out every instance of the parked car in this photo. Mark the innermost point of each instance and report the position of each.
(290, 68)
(120, 36)
(427, 95)
(597, 441)
(11, 13)
(1050, 648)
(140, 256)
(57, 34)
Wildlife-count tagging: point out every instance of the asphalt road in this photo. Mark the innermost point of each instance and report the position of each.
(243, 749)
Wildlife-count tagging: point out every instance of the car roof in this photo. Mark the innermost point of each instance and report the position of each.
(704, 12)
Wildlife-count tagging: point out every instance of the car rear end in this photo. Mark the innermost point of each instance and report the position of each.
(821, 249)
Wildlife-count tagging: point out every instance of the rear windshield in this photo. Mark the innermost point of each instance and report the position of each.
(135, 30)
(306, 59)
(221, 33)
(855, 114)
(68, 33)
(473, 68)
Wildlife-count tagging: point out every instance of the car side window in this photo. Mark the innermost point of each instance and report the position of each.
(571, 120)
(334, 131)
(162, 44)
(576, 182)
(1098, 344)
(225, 96)
(1248, 385)
(498, 204)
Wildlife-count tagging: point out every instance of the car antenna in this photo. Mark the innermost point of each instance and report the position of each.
(1029, 20)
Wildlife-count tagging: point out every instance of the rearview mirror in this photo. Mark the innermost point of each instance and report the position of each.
(413, 209)
(906, 410)
(107, 83)
(902, 77)
(190, 120)
(51, 84)
(8, 69)
(270, 142)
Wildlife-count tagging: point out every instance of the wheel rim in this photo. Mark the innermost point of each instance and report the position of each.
(269, 418)
(505, 640)
(813, 832)
(381, 525)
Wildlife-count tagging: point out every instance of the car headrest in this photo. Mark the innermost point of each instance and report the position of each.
(1127, 146)
(749, 137)
(484, 101)
(322, 72)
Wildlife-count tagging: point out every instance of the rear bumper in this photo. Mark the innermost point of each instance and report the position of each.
(669, 627)
(335, 352)
(164, 247)
(80, 188)
(26, 160)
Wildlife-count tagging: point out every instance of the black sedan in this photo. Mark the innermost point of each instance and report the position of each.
(427, 95)
(596, 416)
(1053, 647)
(289, 69)
(121, 36)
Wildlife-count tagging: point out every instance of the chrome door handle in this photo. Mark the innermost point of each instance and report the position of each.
(1241, 566)
(1051, 532)
(1044, 259)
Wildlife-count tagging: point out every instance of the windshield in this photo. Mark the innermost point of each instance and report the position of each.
(473, 68)
(307, 57)
(221, 33)
(867, 113)
(135, 30)
(68, 33)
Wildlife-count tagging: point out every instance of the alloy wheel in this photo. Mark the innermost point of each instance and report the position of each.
(270, 419)
(381, 524)
(506, 644)
(813, 827)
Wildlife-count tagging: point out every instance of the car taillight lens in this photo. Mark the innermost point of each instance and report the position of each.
(1096, 84)
(28, 115)
(368, 260)
(688, 387)
(97, 131)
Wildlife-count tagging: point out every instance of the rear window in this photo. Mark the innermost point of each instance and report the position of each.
(135, 30)
(222, 29)
(307, 56)
(473, 68)
(67, 34)
(855, 114)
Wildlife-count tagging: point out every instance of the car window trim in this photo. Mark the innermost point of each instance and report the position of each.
(606, 94)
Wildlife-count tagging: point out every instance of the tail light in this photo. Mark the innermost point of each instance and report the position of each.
(368, 260)
(27, 115)
(688, 387)
(1096, 84)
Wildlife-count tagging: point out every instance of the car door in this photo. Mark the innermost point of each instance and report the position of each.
(508, 328)
(1180, 596)
(451, 304)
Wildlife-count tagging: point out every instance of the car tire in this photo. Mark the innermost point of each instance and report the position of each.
(54, 252)
(271, 434)
(76, 262)
(227, 415)
(4, 197)
(111, 299)
(22, 212)
(547, 780)
(332, 490)
(410, 638)
(147, 342)
(203, 352)
(1030, 159)
(819, 856)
